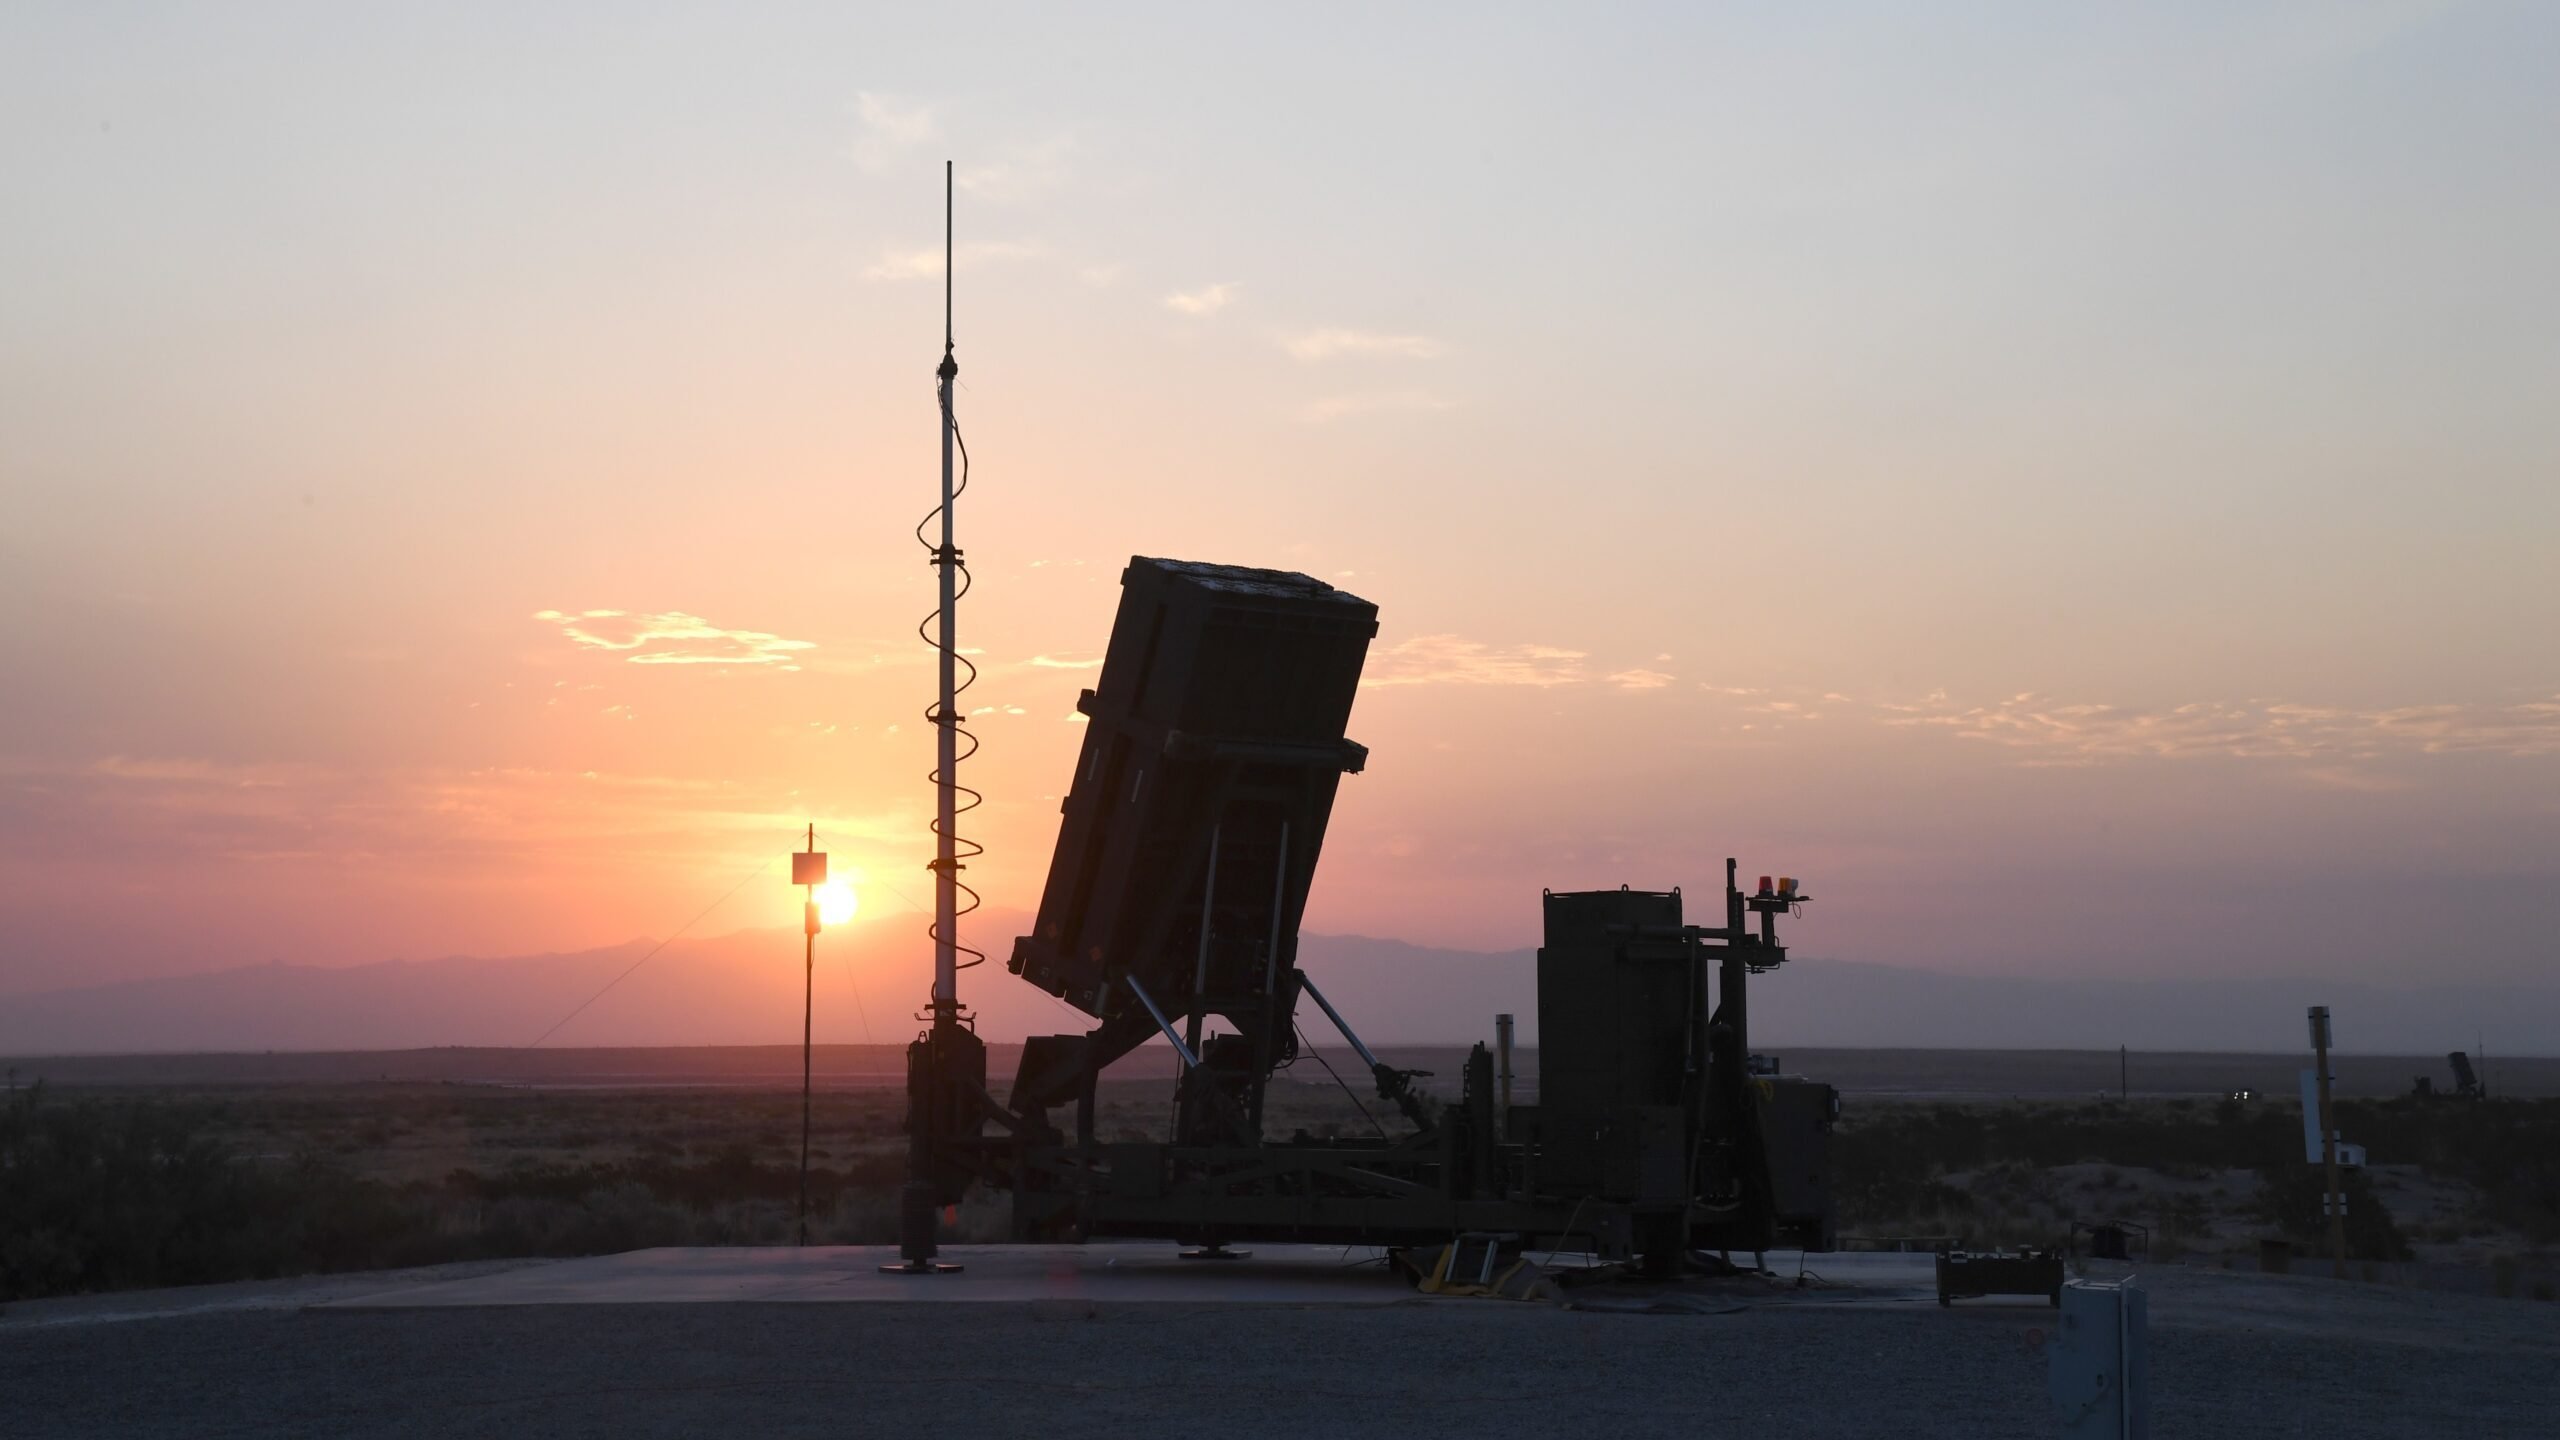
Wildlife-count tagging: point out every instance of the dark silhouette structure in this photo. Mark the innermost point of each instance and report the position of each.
(1188, 842)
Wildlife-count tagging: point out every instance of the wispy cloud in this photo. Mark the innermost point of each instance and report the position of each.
(1451, 660)
(887, 128)
(1207, 300)
(1641, 679)
(926, 263)
(2350, 778)
(328, 816)
(1067, 662)
(2052, 731)
(268, 775)
(1330, 408)
(1325, 344)
(674, 638)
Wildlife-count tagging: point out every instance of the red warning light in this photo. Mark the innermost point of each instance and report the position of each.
(1765, 887)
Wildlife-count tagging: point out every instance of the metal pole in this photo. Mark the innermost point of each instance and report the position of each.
(808, 1009)
(1271, 975)
(1200, 975)
(1502, 1075)
(1338, 1023)
(1279, 903)
(946, 849)
(1190, 1060)
(932, 1093)
(2335, 1202)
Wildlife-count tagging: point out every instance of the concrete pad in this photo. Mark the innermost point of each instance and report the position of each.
(236, 1297)
(1074, 1275)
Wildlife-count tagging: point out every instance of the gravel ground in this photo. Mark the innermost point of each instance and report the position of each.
(2232, 1355)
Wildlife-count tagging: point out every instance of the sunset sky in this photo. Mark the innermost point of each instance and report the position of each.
(2079, 485)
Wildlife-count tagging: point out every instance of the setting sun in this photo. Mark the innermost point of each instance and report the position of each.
(836, 902)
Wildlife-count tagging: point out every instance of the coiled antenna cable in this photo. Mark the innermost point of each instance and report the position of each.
(965, 799)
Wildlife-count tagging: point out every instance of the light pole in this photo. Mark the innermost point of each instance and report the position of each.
(808, 870)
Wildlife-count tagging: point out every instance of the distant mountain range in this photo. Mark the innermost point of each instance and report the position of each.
(744, 988)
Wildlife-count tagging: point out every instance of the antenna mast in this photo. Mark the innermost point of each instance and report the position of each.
(946, 562)
(947, 1064)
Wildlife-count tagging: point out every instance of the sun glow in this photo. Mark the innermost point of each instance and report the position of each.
(836, 902)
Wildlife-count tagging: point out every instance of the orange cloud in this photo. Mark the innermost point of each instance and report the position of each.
(500, 819)
(674, 638)
(1641, 679)
(1450, 660)
(925, 262)
(1326, 344)
(1208, 300)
